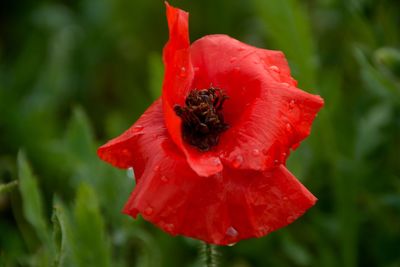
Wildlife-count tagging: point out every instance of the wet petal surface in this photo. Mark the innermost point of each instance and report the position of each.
(267, 114)
(177, 83)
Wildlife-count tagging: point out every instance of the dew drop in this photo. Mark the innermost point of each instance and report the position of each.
(292, 104)
(256, 152)
(290, 219)
(160, 136)
(170, 227)
(241, 49)
(183, 72)
(233, 59)
(231, 244)
(148, 211)
(137, 128)
(295, 146)
(285, 84)
(238, 161)
(263, 230)
(157, 168)
(125, 152)
(276, 162)
(216, 162)
(274, 68)
(164, 178)
(285, 198)
(196, 69)
(232, 232)
(288, 127)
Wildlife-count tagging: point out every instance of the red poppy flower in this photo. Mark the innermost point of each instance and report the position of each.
(209, 155)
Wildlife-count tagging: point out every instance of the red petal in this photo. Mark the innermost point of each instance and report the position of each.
(133, 147)
(177, 82)
(267, 113)
(221, 209)
(176, 56)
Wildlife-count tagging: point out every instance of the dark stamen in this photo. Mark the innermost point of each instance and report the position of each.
(202, 119)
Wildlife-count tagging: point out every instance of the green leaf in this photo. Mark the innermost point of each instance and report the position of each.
(288, 27)
(80, 149)
(156, 74)
(90, 246)
(375, 81)
(150, 255)
(61, 235)
(371, 130)
(32, 202)
(298, 254)
(4, 188)
(389, 60)
(79, 136)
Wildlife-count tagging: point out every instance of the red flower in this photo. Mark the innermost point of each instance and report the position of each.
(209, 155)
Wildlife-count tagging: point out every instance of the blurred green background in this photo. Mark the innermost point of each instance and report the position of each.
(75, 73)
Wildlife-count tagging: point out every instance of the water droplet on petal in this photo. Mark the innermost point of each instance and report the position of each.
(157, 168)
(137, 128)
(290, 219)
(288, 127)
(241, 49)
(275, 68)
(263, 230)
(285, 198)
(170, 227)
(232, 232)
(295, 146)
(216, 162)
(256, 152)
(238, 161)
(292, 104)
(125, 152)
(164, 178)
(231, 244)
(161, 136)
(276, 162)
(285, 84)
(196, 69)
(148, 211)
(183, 72)
(233, 59)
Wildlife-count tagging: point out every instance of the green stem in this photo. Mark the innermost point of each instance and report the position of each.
(209, 252)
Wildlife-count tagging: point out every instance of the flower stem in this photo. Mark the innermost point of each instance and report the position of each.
(210, 253)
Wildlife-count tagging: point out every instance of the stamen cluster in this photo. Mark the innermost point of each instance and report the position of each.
(202, 118)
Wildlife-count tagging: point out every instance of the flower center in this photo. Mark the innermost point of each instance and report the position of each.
(202, 119)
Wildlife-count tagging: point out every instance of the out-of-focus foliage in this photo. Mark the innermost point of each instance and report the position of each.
(76, 73)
